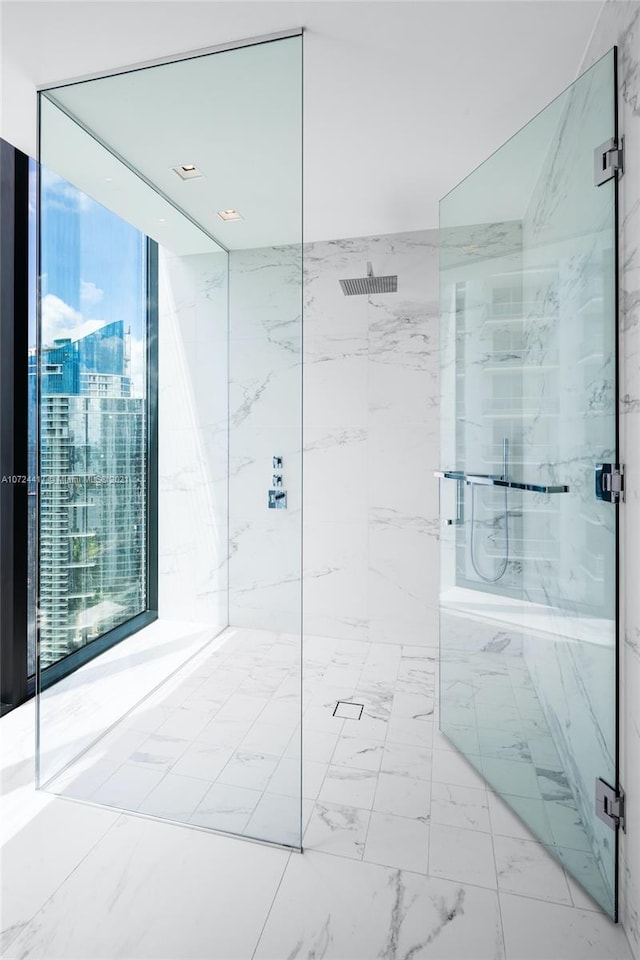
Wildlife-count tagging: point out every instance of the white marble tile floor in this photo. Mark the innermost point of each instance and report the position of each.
(407, 851)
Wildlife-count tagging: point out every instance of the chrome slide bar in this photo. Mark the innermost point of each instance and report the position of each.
(488, 480)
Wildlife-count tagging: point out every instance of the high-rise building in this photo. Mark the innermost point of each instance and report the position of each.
(92, 491)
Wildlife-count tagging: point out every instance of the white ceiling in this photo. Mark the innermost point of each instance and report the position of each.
(68, 152)
(236, 115)
(402, 99)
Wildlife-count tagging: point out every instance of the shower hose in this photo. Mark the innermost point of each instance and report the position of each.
(505, 559)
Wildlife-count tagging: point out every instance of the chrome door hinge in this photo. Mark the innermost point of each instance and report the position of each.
(609, 804)
(610, 482)
(608, 160)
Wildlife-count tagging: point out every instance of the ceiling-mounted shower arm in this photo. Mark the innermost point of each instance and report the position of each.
(369, 268)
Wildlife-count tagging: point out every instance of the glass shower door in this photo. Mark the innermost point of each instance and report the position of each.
(528, 547)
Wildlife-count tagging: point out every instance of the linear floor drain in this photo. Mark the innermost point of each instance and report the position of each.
(348, 710)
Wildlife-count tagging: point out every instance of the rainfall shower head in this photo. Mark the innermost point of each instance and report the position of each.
(369, 284)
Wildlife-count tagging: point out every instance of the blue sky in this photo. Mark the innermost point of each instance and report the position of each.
(92, 268)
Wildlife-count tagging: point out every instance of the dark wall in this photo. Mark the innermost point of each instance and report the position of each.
(14, 292)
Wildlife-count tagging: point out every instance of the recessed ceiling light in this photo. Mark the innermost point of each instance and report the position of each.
(230, 215)
(109, 179)
(188, 171)
(161, 220)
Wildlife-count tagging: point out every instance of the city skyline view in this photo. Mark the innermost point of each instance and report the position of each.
(92, 522)
(101, 278)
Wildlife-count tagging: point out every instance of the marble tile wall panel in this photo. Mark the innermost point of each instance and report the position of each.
(192, 444)
(265, 420)
(370, 439)
(569, 345)
(619, 24)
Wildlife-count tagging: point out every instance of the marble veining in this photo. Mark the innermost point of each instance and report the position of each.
(528, 731)
(370, 437)
(619, 24)
(399, 869)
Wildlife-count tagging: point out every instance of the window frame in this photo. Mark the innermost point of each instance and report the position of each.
(19, 558)
(16, 686)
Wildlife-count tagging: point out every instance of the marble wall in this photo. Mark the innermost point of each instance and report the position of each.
(619, 24)
(370, 440)
(265, 420)
(192, 442)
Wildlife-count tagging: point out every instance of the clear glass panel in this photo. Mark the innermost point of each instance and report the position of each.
(196, 718)
(528, 593)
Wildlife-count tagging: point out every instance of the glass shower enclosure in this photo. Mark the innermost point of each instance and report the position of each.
(528, 474)
(166, 394)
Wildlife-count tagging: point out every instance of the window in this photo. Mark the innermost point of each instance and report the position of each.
(96, 451)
